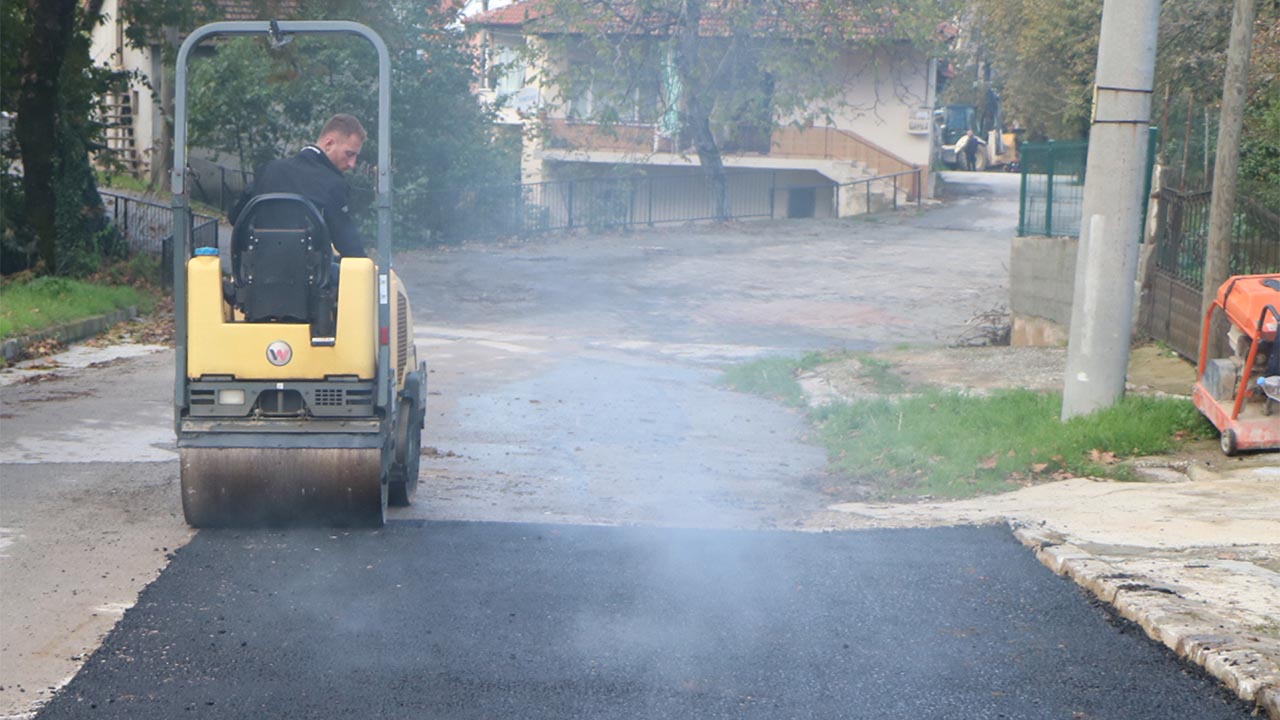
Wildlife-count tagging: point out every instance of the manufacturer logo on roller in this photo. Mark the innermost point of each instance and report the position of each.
(279, 353)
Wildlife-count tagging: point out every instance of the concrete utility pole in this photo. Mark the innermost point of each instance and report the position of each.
(1217, 261)
(1107, 259)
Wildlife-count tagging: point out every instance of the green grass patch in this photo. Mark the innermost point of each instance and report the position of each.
(123, 181)
(773, 377)
(879, 373)
(30, 305)
(949, 445)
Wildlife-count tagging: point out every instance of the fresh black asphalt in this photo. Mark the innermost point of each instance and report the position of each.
(489, 620)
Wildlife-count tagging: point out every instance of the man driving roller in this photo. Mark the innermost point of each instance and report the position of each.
(316, 173)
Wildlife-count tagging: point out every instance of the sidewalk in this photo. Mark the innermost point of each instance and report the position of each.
(1193, 556)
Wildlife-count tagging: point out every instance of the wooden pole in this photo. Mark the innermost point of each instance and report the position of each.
(1217, 265)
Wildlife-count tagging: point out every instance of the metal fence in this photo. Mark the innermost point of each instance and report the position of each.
(1052, 187)
(147, 228)
(1053, 175)
(460, 214)
(1171, 309)
(600, 203)
(1184, 234)
(216, 185)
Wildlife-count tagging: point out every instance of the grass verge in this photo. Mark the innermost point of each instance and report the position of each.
(949, 445)
(34, 304)
(773, 377)
(946, 444)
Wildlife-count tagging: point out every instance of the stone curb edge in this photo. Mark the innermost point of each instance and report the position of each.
(1164, 616)
(68, 333)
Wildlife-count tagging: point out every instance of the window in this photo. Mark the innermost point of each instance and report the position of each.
(633, 100)
(504, 66)
(507, 76)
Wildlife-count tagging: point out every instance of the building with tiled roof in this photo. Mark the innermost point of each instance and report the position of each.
(884, 125)
(134, 117)
(514, 15)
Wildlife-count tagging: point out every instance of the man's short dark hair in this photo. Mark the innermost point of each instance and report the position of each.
(344, 125)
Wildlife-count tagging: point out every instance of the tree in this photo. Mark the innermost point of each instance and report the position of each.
(235, 97)
(53, 89)
(718, 73)
(1260, 147)
(1044, 52)
(1222, 212)
(159, 26)
(257, 102)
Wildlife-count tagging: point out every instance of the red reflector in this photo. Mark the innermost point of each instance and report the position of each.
(386, 336)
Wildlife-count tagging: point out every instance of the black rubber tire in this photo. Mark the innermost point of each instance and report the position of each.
(1229, 443)
(408, 456)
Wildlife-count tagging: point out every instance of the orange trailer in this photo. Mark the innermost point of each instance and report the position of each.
(1230, 391)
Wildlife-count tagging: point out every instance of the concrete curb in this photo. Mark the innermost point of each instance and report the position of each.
(68, 333)
(1189, 629)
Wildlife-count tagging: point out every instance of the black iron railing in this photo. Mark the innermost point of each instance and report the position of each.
(147, 228)
(643, 200)
(1184, 235)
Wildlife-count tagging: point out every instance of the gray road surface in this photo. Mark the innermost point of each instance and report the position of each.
(574, 386)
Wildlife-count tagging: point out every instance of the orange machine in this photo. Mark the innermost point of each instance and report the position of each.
(1235, 392)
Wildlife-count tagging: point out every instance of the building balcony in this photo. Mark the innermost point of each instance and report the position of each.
(741, 146)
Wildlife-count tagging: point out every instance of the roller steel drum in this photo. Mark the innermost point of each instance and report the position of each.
(277, 486)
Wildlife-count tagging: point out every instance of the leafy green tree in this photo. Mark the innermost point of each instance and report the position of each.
(52, 86)
(1260, 149)
(1044, 53)
(159, 26)
(256, 102)
(719, 75)
(239, 105)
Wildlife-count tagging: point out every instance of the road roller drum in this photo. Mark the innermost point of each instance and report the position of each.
(275, 486)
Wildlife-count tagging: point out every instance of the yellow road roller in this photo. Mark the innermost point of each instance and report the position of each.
(298, 396)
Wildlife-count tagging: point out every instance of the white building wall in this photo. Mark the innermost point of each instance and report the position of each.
(109, 49)
(887, 101)
(882, 98)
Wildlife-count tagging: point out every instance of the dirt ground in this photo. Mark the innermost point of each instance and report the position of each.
(1153, 370)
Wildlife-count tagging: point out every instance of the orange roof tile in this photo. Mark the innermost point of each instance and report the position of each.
(512, 15)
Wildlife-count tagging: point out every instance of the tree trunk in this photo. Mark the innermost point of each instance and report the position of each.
(697, 110)
(162, 152)
(52, 24)
(1217, 265)
(704, 143)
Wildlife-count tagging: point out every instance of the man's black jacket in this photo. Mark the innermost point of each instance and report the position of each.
(311, 175)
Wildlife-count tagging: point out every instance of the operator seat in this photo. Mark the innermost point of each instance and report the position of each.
(282, 263)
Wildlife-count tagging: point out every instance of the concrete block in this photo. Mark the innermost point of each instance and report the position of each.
(1042, 273)
(1032, 331)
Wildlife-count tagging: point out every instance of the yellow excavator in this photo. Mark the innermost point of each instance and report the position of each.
(293, 402)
